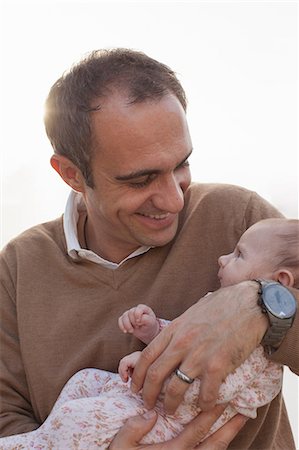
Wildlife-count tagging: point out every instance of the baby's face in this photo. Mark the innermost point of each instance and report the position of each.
(250, 258)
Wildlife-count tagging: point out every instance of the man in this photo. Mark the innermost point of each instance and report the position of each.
(134, 229)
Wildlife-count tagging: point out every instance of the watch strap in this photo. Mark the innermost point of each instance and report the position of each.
(278, 328)
(277, 331)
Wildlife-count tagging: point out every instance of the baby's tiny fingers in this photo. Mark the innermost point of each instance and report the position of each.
(127, 323)
(121, 324)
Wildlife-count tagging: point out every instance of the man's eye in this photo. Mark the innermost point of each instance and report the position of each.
(142, 182)
(184, 164)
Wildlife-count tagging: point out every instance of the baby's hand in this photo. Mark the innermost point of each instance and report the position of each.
(127, 364)
(140, 321)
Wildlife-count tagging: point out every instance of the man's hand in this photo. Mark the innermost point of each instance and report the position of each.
(208, 341)
(136, 428)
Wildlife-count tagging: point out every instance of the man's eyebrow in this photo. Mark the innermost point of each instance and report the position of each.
(138, 174)
(145, 172)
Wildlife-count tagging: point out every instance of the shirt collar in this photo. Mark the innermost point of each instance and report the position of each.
(74, 206)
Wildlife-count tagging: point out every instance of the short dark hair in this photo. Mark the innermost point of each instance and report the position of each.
(68, 106)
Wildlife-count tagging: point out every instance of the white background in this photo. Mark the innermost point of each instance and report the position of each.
(237, 60)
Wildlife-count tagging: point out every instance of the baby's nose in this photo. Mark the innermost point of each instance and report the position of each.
(221, 260)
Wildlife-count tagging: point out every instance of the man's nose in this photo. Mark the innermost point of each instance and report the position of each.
(170, 195)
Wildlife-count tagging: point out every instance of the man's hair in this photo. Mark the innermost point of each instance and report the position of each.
(69, 103)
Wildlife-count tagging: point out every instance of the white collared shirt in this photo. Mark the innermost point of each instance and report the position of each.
(70, 219)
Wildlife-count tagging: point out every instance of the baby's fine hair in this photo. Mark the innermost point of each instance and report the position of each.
(286, 245)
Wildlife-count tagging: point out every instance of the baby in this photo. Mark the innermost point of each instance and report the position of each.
(94, 404)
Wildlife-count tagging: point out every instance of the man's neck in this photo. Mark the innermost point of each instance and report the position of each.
(102, 248)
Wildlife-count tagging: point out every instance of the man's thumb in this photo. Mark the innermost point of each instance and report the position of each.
(133, 431)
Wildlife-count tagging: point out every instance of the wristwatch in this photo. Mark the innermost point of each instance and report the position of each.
(280, 305)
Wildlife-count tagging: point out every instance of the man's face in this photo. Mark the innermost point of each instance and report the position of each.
(140, 174)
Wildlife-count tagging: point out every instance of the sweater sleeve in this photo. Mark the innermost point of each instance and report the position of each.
(258, 209)
(16, 412)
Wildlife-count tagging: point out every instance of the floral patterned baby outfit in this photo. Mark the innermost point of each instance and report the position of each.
(95, 404)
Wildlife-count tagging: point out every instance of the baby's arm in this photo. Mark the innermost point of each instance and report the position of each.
(261, 391)
(140, 321)
(252, 385)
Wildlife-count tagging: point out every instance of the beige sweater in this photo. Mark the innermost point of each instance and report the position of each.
(59, 316)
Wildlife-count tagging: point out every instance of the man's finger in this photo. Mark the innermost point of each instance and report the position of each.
(133, 431)
(198, 428)
(209, 390)
(221, 439)
(151, 375)
(174, 393)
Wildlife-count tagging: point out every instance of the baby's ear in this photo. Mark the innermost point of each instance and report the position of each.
(285, 277)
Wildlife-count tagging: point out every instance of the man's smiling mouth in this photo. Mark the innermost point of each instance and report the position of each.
(156, 216)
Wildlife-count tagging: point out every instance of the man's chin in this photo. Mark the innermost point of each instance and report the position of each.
(160, 241)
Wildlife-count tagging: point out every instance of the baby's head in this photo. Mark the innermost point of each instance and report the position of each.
(269, 249)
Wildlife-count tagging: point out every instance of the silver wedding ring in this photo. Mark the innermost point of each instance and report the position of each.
(182, 376)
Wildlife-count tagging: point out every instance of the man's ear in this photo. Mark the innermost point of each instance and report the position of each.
(285, 277)
(68, 172)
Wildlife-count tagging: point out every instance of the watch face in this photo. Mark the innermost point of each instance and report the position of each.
(279, 301)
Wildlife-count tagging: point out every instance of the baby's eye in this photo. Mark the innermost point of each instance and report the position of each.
(237, 253)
